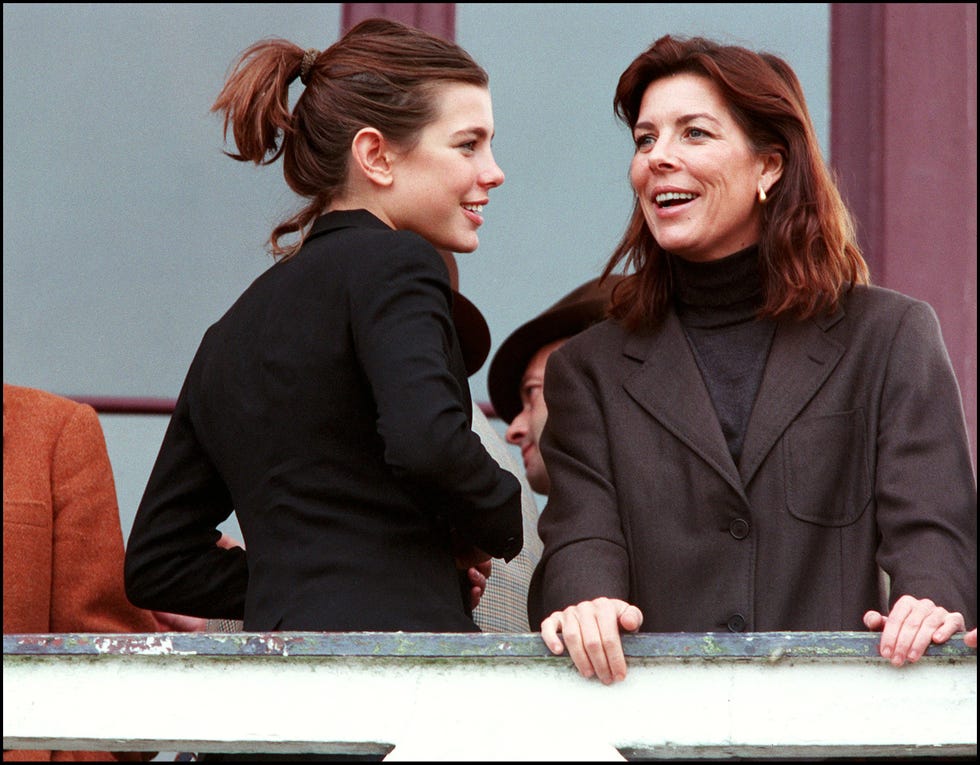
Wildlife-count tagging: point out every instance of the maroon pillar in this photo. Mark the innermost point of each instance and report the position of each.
(904, 144)
(437, 18)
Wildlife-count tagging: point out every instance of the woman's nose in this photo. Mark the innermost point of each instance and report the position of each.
(662, 153)
(493, 176)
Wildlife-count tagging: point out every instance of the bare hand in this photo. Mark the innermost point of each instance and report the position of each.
(591, 632)
(478, 576)
(911, 626)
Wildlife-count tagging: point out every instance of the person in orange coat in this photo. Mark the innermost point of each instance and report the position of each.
(62, 541)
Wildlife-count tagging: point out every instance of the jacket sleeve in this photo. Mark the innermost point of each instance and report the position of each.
(585, 554)
(406, 343)
(172, 561)
(925, 484)
(87, 592)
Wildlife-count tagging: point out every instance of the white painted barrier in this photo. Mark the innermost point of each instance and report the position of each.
(414, 696)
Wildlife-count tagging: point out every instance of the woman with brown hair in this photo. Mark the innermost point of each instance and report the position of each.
(329, 407)
(757, 432)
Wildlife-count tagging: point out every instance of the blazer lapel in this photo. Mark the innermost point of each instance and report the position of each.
(800, 361)
(669, 386)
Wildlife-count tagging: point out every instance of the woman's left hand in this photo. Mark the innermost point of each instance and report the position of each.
(911, 626)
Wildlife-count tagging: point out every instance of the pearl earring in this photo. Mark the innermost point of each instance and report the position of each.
(762, 195)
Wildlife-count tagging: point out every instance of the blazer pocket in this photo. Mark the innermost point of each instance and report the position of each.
(29, 512)
(826, 464)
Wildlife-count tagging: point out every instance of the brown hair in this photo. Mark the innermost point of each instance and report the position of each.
(808, 251)
(380, 74)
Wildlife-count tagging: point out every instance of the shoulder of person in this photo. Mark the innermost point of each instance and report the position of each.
(602, 339)
(876, 295)
(357, 233)
(39, 407)
(877, 304)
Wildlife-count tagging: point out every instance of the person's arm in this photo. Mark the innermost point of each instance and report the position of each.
(926, 495)
(168, 622)
(173, 561)
(405, 341)
(87, 592)
(581, 588)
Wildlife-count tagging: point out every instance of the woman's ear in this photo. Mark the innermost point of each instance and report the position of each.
(772, 170)
(371, 156)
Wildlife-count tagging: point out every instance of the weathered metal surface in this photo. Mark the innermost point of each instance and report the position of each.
(769, 646)
(487, 697)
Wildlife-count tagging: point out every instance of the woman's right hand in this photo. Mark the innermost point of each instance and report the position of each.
(591, 632)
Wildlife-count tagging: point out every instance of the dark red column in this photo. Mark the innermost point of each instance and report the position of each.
(904, 144)
(438, 18)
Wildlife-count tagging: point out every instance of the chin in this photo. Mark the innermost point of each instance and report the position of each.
(467, 246)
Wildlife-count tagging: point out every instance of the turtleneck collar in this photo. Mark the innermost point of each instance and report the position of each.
(719, 292)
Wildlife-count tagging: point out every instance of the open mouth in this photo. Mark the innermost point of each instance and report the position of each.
(673, 198)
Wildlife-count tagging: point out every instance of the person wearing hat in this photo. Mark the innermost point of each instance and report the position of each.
(516, 377)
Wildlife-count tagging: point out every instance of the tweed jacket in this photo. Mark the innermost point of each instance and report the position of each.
(62, 541)
(856, 456)
(329, 409)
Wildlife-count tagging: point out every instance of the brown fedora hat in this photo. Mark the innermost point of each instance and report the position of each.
(579, 309)
(473, 332)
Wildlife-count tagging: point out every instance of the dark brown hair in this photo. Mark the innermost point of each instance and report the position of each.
(380, 74)
(808, 251)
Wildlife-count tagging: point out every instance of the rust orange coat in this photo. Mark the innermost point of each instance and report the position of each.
(62, 540)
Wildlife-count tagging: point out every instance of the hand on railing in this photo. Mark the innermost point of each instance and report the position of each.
(911, 626)
(591, 632)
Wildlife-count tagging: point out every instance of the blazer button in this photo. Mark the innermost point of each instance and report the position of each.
(736, 623)
(739, 528)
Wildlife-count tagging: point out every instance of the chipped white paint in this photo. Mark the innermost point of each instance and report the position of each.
(160, 645)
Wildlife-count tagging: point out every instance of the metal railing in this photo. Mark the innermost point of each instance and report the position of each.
(422, 696)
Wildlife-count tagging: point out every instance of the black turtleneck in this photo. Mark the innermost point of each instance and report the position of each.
(717, 303)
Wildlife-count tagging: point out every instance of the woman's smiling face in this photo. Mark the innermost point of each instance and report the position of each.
(443, 182)
(694, 171)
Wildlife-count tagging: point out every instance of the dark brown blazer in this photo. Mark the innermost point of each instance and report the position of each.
(329, 409)
(856, 456)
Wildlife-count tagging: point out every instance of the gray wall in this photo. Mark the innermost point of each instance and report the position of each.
(127, 232)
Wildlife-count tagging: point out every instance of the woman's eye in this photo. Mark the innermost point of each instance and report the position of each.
(644, 141)
(697, 133)
(469, 146)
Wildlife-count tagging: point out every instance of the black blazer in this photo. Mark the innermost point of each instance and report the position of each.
(329, 409)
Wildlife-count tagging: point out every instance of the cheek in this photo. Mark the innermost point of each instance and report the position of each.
(538, 417)
(638, 172)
